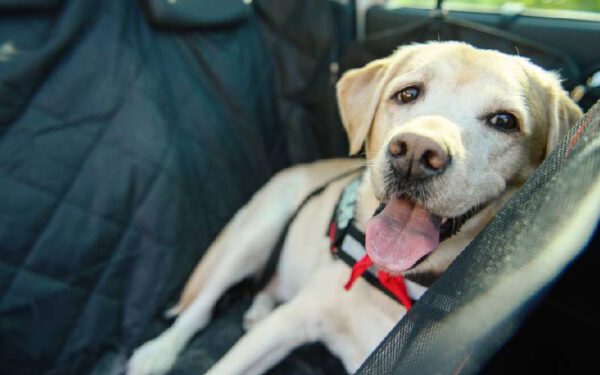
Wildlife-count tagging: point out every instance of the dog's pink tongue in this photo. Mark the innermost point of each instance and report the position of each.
(401, 234)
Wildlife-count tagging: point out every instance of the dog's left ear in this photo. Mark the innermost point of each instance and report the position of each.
(358, 95)
(563, 113)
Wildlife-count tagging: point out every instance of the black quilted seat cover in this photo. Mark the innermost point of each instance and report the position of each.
(129, 136)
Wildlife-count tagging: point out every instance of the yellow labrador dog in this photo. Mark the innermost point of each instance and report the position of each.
(450, 132)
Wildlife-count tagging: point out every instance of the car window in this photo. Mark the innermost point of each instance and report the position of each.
(560, 8)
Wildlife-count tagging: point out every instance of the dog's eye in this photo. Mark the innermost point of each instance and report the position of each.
(503, 121)
(407, 95)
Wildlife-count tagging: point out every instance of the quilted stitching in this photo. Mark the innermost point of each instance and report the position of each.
(133, 146)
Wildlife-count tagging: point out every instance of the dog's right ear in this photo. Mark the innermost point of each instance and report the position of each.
(358, 95)
(564, 113)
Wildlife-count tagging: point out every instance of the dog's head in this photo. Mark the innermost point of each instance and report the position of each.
(447, 128)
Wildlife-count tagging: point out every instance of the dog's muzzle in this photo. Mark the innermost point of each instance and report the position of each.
(404, 231)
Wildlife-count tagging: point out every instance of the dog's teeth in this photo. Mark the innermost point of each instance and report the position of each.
(444, 220)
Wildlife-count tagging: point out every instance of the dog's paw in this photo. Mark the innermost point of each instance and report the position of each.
(262, 306)
(172, 312)
(155, 357)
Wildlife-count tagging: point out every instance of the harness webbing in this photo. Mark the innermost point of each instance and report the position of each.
(341, 229)
(269, 270)
(347, 244)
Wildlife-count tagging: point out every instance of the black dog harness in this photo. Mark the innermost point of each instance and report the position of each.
(348, 244)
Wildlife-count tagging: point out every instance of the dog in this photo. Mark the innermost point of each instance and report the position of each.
(449, 133)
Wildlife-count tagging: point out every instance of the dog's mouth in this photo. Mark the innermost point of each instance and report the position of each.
(403, 233)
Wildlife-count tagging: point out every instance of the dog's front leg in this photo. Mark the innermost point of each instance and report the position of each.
(241, 249)
(287, 327)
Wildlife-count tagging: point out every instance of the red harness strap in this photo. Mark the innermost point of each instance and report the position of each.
(357, 271)
(394, 284)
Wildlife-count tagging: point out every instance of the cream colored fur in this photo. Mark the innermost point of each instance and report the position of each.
(460, 85)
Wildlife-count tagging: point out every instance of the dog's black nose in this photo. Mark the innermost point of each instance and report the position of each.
(416, 157)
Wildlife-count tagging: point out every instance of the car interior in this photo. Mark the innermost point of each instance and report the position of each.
(132, 131)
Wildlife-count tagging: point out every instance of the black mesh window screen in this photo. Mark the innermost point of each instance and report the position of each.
(482, 299)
